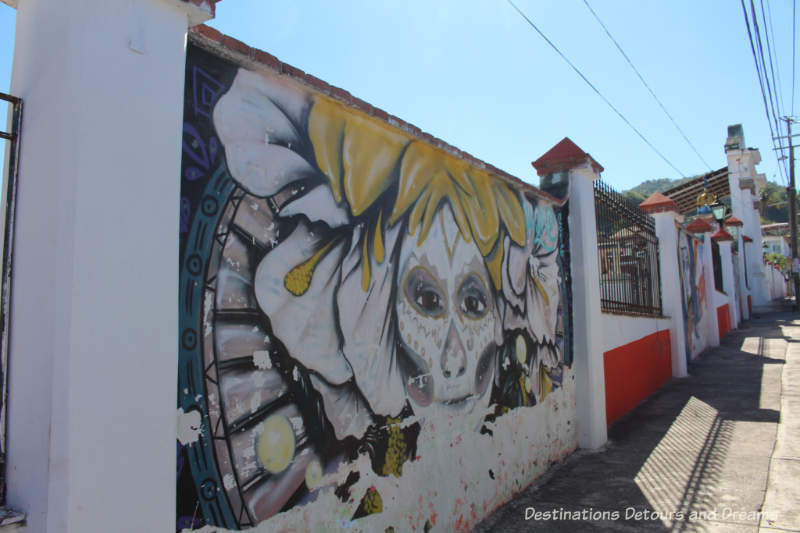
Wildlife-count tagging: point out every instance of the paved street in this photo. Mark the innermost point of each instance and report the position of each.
(718, 451)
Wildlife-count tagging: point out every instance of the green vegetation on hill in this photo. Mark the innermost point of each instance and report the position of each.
(644, 190)
(775, 207)
(775, 204)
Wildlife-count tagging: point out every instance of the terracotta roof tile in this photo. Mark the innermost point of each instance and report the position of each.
(733, 221)
(698, 225)
(565, 155)
(658, 203)
(722, 235)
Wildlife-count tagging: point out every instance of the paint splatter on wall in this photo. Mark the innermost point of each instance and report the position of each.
(371, 327)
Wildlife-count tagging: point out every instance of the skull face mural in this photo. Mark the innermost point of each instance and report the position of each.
(448, 323)
(345, 286)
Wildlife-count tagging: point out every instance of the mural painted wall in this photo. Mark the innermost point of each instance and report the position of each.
(694, 292)
(374, 332)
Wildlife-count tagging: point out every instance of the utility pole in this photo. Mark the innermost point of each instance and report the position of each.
(793, 214)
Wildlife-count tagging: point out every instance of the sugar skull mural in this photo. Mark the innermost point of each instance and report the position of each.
(345, 287)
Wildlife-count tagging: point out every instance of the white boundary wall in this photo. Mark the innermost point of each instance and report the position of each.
(94, 335)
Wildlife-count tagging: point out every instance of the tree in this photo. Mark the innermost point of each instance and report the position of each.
(781, 262)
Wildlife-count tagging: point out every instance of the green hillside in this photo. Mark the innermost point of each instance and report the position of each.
(642, 192)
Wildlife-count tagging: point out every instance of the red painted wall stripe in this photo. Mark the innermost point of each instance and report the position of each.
(634, 371)
(723, 320)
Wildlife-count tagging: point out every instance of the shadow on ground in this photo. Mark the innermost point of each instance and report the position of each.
(693, 457)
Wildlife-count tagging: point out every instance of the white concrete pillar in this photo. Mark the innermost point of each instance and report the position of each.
(94, 316)
(671, 288)
(741, 161)
(728, 282)
(712, 324)
(566, 162)
(749, 284)
(755, 253)
(740, 258)
(588, 332)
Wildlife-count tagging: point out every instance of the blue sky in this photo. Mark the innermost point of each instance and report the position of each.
(475, 74)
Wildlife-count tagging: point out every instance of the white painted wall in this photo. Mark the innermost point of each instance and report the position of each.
(756, 268)
(588, 322)
(777, 285)
(671, 289)
(709, 322)
(94, 335)
(720, 299)
(620, 330)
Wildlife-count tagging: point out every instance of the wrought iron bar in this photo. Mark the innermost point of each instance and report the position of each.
(630, 280)
(11, 177)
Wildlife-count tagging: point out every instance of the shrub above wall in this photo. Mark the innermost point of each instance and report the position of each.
(374, 325)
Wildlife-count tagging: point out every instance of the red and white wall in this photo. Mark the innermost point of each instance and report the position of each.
(637, 360)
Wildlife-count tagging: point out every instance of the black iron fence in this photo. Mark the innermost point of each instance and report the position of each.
(716, 261)
(10, 155)
(630, 280)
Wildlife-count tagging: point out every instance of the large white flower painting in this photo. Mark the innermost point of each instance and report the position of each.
(360, 283)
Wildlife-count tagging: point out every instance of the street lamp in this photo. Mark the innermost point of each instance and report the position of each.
(718, 211)
(734, 224)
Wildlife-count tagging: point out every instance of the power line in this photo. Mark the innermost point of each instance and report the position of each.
(661, 105)
(584, 78)
(761, 84)
(763, 63)
(772, 88)
(775, 53)
(767, 31)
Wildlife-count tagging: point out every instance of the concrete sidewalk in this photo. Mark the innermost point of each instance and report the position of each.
(718, 451)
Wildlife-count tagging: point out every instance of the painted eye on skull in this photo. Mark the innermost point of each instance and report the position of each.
(473, 297)
(424, 293)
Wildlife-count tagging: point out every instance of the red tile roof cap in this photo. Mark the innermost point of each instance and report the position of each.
(745, 238)
(563, 156)
(698, 225)
(722, 235)
(733, 221)
(658, 203)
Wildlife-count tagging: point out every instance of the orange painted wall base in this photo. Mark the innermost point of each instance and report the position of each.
(723, 320)
(634, 371)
